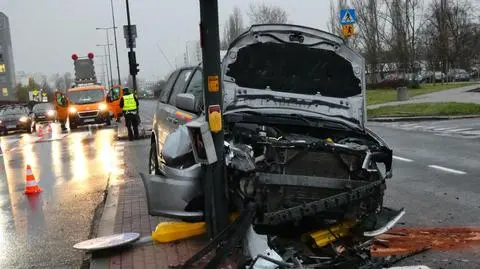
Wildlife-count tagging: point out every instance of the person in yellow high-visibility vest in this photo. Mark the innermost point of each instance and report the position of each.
(129, 105)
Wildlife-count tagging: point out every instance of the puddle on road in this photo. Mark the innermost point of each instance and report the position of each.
(403, 241)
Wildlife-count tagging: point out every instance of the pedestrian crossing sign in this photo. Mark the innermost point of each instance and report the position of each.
(348, 16)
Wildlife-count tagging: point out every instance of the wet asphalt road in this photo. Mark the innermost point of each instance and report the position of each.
(73, 170)
(435, 179)
(39, 230)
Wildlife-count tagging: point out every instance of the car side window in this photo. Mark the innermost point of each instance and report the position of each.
(195, 87)
(180, 84)
(165, 93)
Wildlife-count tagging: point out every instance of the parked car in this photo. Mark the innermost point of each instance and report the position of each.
(440, 76)
(458, 75)
(15, 118)
(296, 139)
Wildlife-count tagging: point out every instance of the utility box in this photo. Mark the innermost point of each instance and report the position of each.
(402, 93)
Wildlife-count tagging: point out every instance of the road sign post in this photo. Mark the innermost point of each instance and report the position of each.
(348, 17)
(216, 202)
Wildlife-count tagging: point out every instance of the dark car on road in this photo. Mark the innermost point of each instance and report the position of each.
(44, 112)
(15, 118)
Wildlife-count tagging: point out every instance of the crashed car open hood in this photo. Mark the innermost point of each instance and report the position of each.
(289, 66)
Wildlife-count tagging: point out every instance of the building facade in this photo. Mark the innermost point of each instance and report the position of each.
(7, 67)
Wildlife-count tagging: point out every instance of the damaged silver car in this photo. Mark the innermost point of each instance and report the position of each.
(296, 144)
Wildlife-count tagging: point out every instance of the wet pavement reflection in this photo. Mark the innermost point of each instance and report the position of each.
(38, 231)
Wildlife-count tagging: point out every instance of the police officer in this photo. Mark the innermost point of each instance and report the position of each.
(129, 105)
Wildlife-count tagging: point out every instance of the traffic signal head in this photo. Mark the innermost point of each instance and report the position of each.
(132, 61)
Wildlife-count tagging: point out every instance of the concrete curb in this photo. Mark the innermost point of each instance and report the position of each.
(107, 224)
(421, 118)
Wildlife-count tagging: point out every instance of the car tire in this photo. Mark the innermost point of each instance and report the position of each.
(108, 121)
(73, 126)
(153, 160)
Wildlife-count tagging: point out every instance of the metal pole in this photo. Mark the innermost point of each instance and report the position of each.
(109, 78)
(116, 46)
(216, 202)
(130, 40)
(109, 59)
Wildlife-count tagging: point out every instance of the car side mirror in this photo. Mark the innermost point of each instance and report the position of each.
(186, 101)
(109, 99)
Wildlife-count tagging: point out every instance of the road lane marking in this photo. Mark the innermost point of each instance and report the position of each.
(458, 130)
(402, 159)
(446, 169)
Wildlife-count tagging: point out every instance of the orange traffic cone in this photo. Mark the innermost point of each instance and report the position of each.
(40, 131)
(31, 186)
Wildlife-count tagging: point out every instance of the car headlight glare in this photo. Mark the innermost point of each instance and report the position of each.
(23, 119)
(50, 113)
(72, 109)
(102, 107)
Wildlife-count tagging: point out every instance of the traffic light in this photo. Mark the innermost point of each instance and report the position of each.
(132, 61)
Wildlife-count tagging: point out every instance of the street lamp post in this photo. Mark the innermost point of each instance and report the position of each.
(109, 78)
(116, 46)
(109, 56)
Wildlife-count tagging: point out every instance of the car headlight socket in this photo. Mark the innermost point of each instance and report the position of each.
(72, 110)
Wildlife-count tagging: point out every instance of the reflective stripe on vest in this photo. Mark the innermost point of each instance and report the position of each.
(129, 103)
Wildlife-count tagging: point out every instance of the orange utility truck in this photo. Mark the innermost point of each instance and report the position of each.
(86, 101)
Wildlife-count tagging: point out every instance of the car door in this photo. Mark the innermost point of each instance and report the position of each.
(160, 125)
(61, 106)
(175, 116)
(195, 87)
(113, 97)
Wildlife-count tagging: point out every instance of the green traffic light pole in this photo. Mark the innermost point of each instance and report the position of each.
(216, 203)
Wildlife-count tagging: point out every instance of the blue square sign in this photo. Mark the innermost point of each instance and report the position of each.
(348, 16)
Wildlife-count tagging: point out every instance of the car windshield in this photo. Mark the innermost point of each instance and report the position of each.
(86, 96)
(42, 107)
(13, 111)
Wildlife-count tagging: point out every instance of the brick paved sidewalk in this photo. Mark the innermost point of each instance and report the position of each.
(126, 211)
(132, 216)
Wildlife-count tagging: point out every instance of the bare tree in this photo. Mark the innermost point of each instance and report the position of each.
(261, 13)
(453, 33)
(371, 35)
(68, 79)
(334, 25)
(404, 17)
(233, 28)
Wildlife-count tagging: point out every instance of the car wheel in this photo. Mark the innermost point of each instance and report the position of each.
(73, 126)
(153, 161)
(108, 122)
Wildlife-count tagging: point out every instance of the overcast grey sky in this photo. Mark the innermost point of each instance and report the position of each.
(46, 32)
